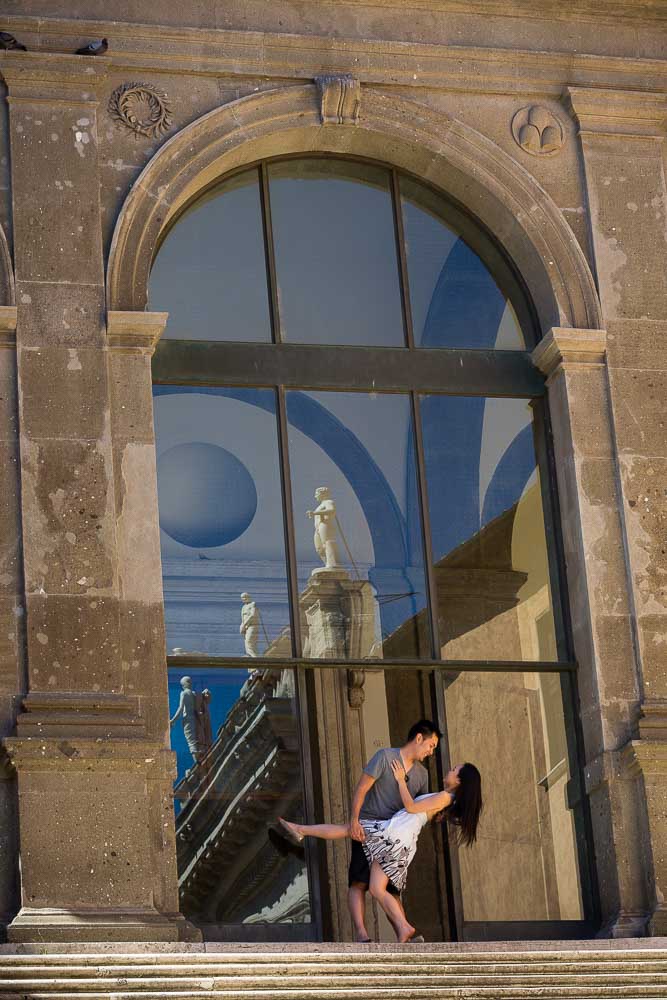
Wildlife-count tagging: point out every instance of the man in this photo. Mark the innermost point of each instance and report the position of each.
(377, 796)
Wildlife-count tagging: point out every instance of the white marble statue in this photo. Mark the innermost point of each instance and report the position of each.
(187, 711)
(250, 623)
(324, 517)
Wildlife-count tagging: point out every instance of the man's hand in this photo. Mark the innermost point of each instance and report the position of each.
(357, 831)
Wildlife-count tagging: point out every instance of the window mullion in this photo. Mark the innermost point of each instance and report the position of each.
(270, 252)
(402, 259)
(425, 519)
(288, 520)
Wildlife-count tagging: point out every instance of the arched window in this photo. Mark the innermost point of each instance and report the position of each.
(352, 468)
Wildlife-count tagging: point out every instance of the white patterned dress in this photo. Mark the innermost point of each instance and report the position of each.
(393, 843)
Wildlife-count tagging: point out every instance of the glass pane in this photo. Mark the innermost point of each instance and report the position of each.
(454, 299)
(337, 270)
(512, 726)
(210, 272)
(235, 735)
(221, 521)
(357, 525)
(487, 529)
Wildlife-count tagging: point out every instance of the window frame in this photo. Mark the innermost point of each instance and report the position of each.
(412, 370)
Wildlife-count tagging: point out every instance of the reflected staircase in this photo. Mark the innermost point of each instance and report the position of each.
(336, 972)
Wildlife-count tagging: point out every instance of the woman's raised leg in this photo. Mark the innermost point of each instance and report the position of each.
(324, 831)
(390, 905)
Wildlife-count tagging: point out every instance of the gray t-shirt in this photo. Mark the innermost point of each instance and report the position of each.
(384, 797)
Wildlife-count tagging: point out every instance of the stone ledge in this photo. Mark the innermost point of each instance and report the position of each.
(569, 348)
(130, 332)
(617, 112)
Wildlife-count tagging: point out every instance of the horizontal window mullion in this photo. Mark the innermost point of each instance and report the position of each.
(385, 369)
(471, 666)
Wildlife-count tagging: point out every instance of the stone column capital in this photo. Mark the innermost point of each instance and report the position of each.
(52, 77)
(569, 348)
(617, 112)
(8, 318)
(135, 332)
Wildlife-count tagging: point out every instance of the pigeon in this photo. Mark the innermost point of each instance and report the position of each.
(97, 48)
(9, 43)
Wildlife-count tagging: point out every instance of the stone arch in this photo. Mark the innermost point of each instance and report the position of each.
(441, 150)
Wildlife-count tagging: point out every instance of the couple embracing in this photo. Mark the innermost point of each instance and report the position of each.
(390, 807)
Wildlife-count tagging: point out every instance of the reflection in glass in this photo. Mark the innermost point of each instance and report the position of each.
(239, 768)
(210, 272)
(487, 529)
(335, 247)
(221, 521)
(512, 726)
(357, 525)
(454, 299)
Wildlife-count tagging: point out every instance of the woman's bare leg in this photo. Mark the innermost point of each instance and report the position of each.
(390, 905)
(324, 831)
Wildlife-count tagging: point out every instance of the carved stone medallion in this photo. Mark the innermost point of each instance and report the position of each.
(340, 99)
(538, 131)
(141, 108)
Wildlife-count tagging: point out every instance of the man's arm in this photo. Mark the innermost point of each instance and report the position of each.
(366, 782)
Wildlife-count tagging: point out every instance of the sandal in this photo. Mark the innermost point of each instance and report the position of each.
(285, 829)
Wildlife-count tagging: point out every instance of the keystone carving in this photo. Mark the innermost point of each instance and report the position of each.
(538, 131)
(340, 99)
(141, 108)
(355, 688)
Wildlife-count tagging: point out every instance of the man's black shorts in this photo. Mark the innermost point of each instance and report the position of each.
(360, 871)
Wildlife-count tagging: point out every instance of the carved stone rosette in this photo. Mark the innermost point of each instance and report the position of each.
(141, 108)
(538, 131)
(340, 99)
(355, 687)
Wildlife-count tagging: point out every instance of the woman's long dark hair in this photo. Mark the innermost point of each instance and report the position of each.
(465, 810)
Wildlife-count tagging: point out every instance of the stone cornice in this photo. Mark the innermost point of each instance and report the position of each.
(78, 753)
(135, 332)
(611, 112)
(8, 319)
(54, 77)
(148, 48)
(569, 349)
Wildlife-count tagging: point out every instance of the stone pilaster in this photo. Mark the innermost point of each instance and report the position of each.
(622, 138)
(97, 853)
(577, 380)
(12, 679)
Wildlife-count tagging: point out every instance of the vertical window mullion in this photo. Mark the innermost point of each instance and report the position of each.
(425, 518)
(270, 253)
(288, 522)
(402, 259)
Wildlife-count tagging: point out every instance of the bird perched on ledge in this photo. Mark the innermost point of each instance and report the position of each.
(97, 48)
(10, 44)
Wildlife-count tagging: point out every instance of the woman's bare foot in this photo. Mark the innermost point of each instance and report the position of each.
(292, 831)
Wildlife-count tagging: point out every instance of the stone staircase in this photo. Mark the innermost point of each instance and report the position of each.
(339, 973)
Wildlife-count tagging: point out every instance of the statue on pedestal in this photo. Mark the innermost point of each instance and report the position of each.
(187, 711)
(324, 517)
(250, 623)
(194, 711)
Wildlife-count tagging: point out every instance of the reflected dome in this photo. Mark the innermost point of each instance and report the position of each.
(207, 497)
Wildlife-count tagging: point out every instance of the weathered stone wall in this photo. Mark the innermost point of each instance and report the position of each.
(579, 201)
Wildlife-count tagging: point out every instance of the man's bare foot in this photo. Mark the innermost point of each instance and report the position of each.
(405, 933)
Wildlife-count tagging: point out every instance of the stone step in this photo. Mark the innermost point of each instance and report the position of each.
(414, 992)
(341, 981)
(412, 955)
(507, 970)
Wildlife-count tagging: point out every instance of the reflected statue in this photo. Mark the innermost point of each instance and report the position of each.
(187, 711)
(250, 623)
(325, 520)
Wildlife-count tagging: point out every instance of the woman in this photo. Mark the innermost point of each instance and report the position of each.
(390, 844)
